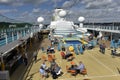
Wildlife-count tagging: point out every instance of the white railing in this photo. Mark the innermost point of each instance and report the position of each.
(10, 35)
(114, 29)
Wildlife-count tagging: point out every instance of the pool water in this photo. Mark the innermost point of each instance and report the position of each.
(72, 42)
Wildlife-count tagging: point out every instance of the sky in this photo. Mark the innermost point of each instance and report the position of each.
(30, 10)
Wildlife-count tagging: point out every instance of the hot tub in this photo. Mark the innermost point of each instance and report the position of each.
(72, 42)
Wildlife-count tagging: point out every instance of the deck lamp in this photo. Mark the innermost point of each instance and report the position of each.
(40, 20)
(81, 20)
(40, 26)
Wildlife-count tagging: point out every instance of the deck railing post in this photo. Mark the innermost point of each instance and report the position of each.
(6, 39)
(12, 36)
(17, 35)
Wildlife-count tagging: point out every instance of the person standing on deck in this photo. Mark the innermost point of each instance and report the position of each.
(81, 49)
(83, 46)
(113, 52)
(100, 46)
(25, 59)
(103, 48)
(35, 56)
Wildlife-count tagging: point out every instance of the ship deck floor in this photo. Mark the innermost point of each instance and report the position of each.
(99, 66)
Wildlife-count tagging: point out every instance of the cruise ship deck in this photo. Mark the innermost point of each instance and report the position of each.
(99, 66)
(20, 44)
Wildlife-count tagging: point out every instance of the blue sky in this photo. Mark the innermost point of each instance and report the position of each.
(92, 10)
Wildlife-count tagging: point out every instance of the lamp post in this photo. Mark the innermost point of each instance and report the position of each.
(81, 20)
(40, 26)
(40, 20)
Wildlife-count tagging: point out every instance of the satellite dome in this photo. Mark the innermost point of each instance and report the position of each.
(81, 19)
(62, 13)
(40, 19)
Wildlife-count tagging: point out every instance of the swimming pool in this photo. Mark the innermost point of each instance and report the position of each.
(72, 42)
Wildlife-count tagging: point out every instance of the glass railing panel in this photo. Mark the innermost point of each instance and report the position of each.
(9, 39)
(2, 42)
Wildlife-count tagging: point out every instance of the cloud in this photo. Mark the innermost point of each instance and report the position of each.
(99, 4)
(91, 4)
(26, 13)
(90, 9)
(99, 10)
(70, 3)
(5, 1)
(17, 4)
(8, 11)
(55, 2)
(23, 2)
(11, 2)
(36, 10)
(95, 15)
(34, 1)
(32, 16)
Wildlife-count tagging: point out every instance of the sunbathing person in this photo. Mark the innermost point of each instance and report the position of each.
(62, 55)
(73, 67)
(72, 70)
(81, 68)
(55, 71)
(68, 55)
(43, 72)
(43, 65)
(52, 64)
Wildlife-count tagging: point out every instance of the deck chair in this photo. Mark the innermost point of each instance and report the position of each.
(84, 72)
(50, 57)
(72, 72)
(62, 55)
(43, 58)
(72, 63)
